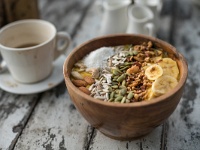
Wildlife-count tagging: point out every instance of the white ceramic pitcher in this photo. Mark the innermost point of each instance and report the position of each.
(115, 18)
(140, 20)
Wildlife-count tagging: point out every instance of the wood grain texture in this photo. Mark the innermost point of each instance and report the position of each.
(55, 123)
(184, 125)
(14, 113)
(179, 26)
(149, 142)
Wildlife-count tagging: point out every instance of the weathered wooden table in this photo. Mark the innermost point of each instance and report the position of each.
(49, 120)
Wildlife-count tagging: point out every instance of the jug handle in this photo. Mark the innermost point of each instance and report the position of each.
(160, 6)
(150, 27)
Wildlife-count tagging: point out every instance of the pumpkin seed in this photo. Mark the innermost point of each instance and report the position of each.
(109, 89)
(115, 72)
(118, 70)
(130, 95)
(117, 94)
(115, 77)
(123, 83)
(135, 52)
(117, 91)
(121, 86)
(115, 86)
(123, 100)
(121, 78)
(114, 83)
(112, 95)
(119, 98)
(111, 100)
(126, 64)
(124, 68)
(123, 91)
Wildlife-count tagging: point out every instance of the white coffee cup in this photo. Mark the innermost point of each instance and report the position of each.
(140, 20)
(29, 48)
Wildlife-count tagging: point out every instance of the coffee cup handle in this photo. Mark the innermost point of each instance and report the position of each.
(61, 49)
(151, 29)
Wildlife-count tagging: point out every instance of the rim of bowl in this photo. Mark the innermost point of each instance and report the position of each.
(161, 98)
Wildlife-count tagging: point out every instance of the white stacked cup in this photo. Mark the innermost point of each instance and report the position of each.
(140, 20)
(155, 6)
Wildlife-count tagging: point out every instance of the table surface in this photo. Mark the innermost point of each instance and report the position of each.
(50, 121)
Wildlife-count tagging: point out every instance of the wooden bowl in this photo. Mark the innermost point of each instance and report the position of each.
(124, 121)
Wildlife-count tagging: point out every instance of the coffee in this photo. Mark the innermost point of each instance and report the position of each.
(27, 45)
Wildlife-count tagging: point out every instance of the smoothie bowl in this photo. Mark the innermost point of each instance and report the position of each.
(125, 85)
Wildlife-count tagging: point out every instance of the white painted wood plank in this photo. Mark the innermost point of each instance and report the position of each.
(14, 111)
(91, 25)
(184, 124)
(150, 142)
(64, 14)
(55, 123)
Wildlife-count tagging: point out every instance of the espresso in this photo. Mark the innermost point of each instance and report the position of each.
(27, 45)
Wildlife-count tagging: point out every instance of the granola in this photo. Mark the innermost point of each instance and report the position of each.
(134, 73)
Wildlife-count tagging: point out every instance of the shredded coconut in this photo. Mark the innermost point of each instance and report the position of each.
(98, 58)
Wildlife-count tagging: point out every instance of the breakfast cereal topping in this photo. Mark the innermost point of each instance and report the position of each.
(126, 74)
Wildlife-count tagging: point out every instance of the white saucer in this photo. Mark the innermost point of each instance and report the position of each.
(8, 84)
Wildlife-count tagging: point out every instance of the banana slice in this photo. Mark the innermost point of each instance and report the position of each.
(149, 95)
(153, 72)
(169, 67)
(163, 84)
